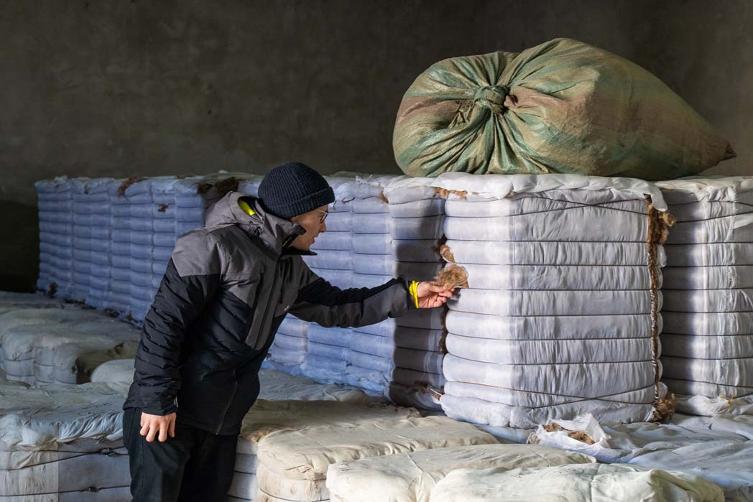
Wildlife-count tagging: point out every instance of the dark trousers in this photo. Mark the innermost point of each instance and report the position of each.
(194, 465)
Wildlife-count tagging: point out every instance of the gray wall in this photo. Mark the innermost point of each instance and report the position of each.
(120, 88)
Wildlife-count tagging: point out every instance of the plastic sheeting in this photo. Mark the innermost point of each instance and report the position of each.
(716, 448)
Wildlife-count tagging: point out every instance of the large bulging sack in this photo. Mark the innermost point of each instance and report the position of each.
(562, 106)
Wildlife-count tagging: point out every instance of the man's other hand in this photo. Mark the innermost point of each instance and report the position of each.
(157, 426)
(432, 294)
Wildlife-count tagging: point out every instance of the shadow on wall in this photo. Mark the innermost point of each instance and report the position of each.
(19, 246)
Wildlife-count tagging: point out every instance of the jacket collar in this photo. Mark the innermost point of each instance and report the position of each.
(276, 233)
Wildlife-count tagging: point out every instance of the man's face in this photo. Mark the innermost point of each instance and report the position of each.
(313, 223)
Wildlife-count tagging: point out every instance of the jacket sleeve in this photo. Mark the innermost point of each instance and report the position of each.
(192, 277)
(327, 305)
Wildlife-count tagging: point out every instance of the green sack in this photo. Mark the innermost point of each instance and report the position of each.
(563, 107)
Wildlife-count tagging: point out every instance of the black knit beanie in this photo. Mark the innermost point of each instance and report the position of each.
(292, 189)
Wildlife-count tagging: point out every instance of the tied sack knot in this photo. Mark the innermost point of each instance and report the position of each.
(491, 97)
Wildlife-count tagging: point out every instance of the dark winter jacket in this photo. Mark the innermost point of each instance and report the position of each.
(225, 292)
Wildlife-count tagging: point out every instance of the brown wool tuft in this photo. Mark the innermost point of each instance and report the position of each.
(452, 277)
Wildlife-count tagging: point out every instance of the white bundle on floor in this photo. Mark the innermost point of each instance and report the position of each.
(707, 345)
(114, 371)
(282, 405)
(293, 462)
(410, 477)
(551, 324)
(21, 317)
(593, 482)
(61, 345)
(397, 224)
(55, 202)
(63, 443)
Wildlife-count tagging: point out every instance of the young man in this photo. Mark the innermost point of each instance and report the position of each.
(226, 290)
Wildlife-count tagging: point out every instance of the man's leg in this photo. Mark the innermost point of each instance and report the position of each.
(209, 471)
(156, 468)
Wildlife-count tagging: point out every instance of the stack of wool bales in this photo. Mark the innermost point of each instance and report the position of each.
(107, 242)
(419, 335)
(334, 252)
(326, 351)
(55, 202)
(561, 314)
(91, 238)
(397, 225)
(707, 343)
(143, 237)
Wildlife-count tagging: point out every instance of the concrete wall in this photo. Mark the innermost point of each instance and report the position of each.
(119, 88)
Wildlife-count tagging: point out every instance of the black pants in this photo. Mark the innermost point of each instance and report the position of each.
(194, 465)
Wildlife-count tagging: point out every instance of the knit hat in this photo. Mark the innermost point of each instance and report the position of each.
(292, 189)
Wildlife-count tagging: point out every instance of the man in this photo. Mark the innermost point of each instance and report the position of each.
(225, 292)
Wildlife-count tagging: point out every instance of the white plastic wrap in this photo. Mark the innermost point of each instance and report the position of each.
(64, 352)
(114, 371)
(559, 277)
(616, 254)
(553, 302)
(717, 449)
(691, 278)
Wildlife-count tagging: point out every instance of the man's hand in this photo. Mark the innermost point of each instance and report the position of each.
(157, 426)
(432, 294)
